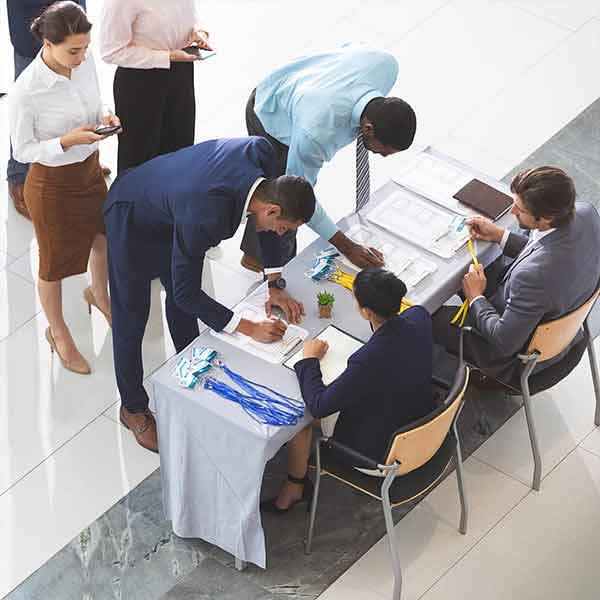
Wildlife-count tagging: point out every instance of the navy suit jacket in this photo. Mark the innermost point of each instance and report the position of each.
(20, 15)
(184, 203)
(386, 385)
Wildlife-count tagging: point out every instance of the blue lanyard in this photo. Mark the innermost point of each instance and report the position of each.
(275, 409)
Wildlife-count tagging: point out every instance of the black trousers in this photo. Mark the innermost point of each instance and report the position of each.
(157, 108)
(283, 246)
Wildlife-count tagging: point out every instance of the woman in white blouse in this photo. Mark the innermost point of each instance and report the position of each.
(154, 81)
(54, 109)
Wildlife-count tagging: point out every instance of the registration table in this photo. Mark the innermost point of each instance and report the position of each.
(213, 454)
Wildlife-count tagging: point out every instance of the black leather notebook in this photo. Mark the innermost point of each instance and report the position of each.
(484, 199)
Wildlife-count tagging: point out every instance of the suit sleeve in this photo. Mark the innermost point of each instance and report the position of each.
(508, 332)
(323, 400)
(190, 243)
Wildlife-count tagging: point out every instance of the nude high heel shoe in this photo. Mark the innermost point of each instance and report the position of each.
(79, 365)
(88, 296)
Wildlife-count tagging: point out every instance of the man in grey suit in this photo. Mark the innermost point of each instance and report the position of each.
(554, 270)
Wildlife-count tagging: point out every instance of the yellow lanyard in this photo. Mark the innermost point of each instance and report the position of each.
(347, 280)
(460, 317)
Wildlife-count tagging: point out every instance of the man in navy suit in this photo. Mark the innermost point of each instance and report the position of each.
(161, 218)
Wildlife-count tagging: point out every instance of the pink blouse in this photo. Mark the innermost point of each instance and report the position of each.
(140, 34)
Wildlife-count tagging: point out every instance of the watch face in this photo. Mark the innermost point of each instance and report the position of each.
(278, 283)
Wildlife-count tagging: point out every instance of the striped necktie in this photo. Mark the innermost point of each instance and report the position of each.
(362, 173)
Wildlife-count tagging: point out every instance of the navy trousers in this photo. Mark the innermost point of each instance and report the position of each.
(135, 258)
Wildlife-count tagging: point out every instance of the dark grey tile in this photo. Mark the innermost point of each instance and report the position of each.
(213, 581)
(129, 553)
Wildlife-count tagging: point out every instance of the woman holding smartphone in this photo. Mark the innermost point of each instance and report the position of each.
(154, 81)
(54, 109)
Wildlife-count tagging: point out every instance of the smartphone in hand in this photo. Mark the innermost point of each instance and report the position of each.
(199, 53)
(107, 129)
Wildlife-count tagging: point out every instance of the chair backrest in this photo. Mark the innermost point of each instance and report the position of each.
(551, 338)
(413, 445)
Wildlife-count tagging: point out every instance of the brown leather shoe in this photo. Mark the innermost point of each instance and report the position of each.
(143, 427)
(250, 263)
(15, 191)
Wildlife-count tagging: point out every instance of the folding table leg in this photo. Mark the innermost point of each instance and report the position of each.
(240, 564)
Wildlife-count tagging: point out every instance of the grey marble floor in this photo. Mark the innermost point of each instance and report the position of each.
(130, 553)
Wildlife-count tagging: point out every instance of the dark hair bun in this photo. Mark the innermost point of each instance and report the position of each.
(60, 20)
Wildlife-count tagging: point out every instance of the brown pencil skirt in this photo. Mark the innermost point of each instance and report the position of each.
(65, 204)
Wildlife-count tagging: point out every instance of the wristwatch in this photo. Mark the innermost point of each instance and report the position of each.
(278, 283)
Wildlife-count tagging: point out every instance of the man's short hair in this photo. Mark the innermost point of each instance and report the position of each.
(294, 195)
(394, 121)
(546, 192)
(379, 290)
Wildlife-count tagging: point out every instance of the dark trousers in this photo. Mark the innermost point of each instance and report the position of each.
(283, 247)
(16, 172)
(476, 351)
(157, 108)
(134, 260)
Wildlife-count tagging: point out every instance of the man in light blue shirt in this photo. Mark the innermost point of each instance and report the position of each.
(316, 105)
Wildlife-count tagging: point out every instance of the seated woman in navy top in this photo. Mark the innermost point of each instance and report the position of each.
(386, 385)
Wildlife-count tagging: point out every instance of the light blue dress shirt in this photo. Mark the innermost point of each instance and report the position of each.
(314, 105)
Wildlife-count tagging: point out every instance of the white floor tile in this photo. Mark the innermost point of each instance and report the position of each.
(48, 508)
(461, 57)
(350, 589)
(42, 405)
(547, 547)
(565, 13)
(532, 107)
(428, 537)
(592, 442)
(18, 302)
(563, 415)
(5, 259)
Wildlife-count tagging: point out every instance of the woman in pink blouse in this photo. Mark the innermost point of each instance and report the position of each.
(154, 81)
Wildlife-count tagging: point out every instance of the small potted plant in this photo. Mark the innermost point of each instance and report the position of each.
(325, 301)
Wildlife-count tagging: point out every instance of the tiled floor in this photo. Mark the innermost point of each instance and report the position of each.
(491, 80)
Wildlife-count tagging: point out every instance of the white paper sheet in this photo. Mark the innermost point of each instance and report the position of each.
(435, 179)
(402, 260)
(341, 347)
(420, 222)
(275, 352)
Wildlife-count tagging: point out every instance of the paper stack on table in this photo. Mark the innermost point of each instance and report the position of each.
(404, 261)
(275, 352)
(436, 179)
(408, 216)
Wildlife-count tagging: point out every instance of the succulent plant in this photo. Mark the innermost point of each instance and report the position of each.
(325, 299)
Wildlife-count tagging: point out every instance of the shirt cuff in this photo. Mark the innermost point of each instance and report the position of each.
(475, 300)
(271, 270)
(233, 324)
(54, 147)
(504, 238)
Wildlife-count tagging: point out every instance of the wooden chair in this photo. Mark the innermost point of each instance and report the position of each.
(548, 341)
(419, 455)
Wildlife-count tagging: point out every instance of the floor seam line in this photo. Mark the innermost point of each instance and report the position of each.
(49, 455)
(472, 548)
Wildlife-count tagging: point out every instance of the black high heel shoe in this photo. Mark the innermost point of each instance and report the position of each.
(307, 495)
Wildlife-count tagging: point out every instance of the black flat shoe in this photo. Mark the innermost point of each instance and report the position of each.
(269, 506)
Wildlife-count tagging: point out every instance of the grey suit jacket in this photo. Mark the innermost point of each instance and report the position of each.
(546, 280)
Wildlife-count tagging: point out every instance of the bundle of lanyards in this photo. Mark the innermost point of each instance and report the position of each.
(270, 408)
(460, 317)
(325, 268)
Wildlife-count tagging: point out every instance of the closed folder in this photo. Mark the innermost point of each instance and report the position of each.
(484, 199)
